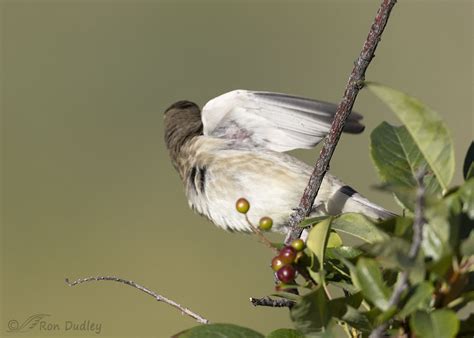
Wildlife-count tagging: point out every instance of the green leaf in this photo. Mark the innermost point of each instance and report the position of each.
(418, 298)
(393, 254)
(311, 314)
(466, 196)
(436, 324)
(426, 128)
(400, 226)
(468, 167)
(370, 281)
(287, 295)
(345, 309)
(334, 240)
(467, 246)
(359, 226)
(317, 240)
(285, 333)
(312, 220)
(348, 252)
(398, 160)
(219, 331)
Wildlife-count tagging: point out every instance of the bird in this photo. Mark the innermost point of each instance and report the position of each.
(236, 147)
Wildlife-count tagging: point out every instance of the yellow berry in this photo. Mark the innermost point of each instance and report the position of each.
(242, 205)
(265, 223)
(298, 244)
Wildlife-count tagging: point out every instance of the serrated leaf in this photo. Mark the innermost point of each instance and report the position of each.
(426, 128)
(468, 167)
(436, 324)
(219, 331)
(285, 333)
(418, 298)
(359, 226)
(370, 281)
(398, 160)
(311, 314)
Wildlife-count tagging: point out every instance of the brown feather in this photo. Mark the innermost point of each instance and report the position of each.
(182, 124)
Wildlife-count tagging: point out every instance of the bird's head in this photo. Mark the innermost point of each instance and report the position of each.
(182, 123)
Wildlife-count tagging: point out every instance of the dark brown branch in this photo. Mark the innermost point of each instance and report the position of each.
(353, 86)
(267, 301)
(158, 297)
(418, 222)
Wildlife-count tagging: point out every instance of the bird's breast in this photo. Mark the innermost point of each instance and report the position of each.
(217, 173)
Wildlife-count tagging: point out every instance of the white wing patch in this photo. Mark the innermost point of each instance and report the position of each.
(278, 122)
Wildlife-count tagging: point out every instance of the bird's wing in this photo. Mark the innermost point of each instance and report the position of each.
(274, 121)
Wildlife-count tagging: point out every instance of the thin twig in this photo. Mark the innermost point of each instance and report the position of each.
(418, 222)
(353, 86)
(267, 301)
(260, 235)
(160, 298)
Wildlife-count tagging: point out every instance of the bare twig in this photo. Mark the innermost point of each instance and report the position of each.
(267, 301)
(418, 222)
(353, 86)
(160, 298)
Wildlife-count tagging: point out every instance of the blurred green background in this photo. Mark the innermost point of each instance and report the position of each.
(87, 187)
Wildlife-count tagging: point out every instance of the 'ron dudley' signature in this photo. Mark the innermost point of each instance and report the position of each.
(40, 322)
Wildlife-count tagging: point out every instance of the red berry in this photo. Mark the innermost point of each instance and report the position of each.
(277, 263)
(242, 205)
(298, 244)
(287, 254)
(286, 274)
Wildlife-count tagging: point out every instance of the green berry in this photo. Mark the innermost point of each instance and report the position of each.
(265, 223)
(242, 205)
(277, 263)
(298, 244)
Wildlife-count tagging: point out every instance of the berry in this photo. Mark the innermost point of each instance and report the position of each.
(286, 274)
(242, 205)
(287, 255)
(265, 223)
(298, 244)
(277, 263)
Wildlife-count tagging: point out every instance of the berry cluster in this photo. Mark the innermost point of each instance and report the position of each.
(283, 263)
